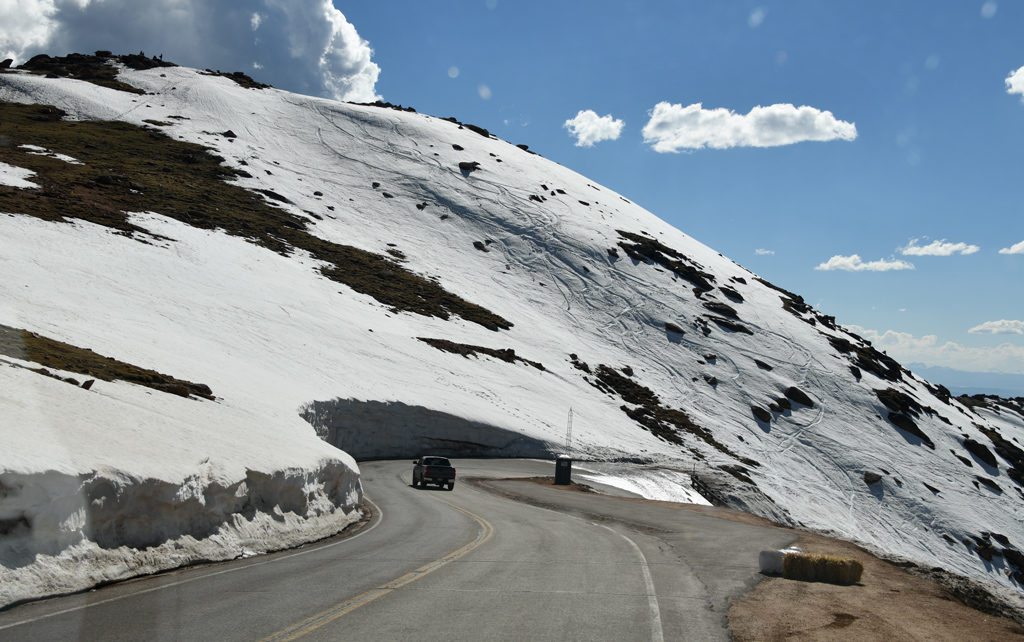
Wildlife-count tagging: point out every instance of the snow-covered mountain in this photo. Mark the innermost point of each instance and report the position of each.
(267, 272)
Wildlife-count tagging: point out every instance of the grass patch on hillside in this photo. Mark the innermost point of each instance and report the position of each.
(904, 408)
(132, 169)
(50, 353)
(792, 303)
(646, 408)
(240, 78)
(866, 357)
(649, 250)
(1013, 454)
(722, 309)
(508, 355)
(731, 293)
(98, 69)
(729, 325)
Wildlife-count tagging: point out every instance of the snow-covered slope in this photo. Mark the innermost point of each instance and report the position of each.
(665, 350)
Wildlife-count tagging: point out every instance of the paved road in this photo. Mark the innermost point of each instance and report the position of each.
(437, 565)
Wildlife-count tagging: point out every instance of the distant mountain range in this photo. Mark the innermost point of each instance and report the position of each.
(962, 382)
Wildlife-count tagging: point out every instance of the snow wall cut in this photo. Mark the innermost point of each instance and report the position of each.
(62, 533)
(394, 430)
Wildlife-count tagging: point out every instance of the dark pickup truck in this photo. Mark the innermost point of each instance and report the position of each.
(433, 470)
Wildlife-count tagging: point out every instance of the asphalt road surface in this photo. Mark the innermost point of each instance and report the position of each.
(527, 562)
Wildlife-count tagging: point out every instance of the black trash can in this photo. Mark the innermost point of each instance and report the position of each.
(563, 470)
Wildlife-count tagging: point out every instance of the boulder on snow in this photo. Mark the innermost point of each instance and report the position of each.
(980, 451)
(871, 478)
(799, 396)
(671, 327)
(477, 129)
(761, 413)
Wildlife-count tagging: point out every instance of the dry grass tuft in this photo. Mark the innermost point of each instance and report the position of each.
(813, 567)
(50, 353)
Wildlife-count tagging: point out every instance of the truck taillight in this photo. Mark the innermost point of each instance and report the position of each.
(426, 471)
(453, 473)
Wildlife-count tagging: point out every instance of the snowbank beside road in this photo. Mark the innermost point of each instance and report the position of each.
(650, 483)
(85, 499)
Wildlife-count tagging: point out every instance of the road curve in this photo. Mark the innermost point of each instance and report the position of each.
(474, 563)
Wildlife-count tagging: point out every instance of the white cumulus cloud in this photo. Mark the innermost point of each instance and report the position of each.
(763, 252)
(25, 25)
(937, 248)
(988, 9)
(854, 263)
(906, 348)
(1003, 326)
(302, 45)
(672, 128)
(589, 128)
(756, 17)
(1015, 82)
(1016, 248)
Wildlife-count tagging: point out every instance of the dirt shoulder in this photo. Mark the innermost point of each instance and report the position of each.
(889, 603)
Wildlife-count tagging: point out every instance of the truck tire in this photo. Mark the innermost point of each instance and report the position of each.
(451, 485)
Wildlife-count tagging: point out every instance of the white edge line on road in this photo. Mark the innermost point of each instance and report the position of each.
(657, 634)
(278, 558)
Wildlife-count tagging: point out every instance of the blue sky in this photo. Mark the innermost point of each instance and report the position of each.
(937, 154)
(926, 138)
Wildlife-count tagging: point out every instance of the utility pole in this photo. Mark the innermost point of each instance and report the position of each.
(568, 434)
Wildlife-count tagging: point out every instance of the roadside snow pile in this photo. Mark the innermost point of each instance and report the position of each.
(408, 283)
(650, 483)
(118, 480)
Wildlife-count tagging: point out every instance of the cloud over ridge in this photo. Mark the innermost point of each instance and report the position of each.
(1015, 82)
(1016, 248)
(672, 127)
(937, 248)
(1003, 326)
(589, 128)
(854, 263)
(307, 46)
(905, 347)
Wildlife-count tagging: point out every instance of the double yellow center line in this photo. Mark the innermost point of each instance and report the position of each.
(327, 616)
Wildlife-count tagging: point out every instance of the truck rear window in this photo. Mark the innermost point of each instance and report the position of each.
(436, 461)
